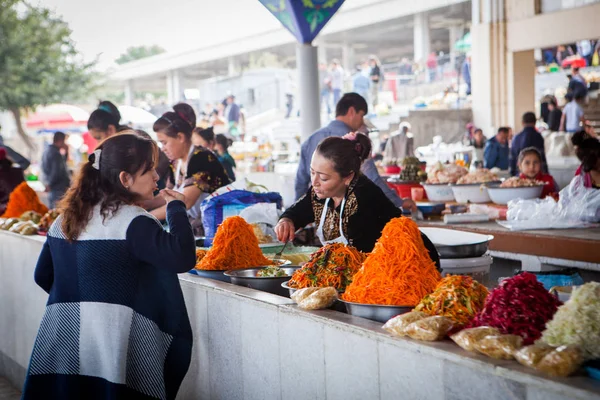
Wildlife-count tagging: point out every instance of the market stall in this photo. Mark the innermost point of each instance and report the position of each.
(267, 347)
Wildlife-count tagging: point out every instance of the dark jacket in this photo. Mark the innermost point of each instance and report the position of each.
(55, 170)
(495, 154)
(529, 137)
(554, 120)
(365, 214)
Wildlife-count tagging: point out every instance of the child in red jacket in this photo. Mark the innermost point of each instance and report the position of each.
(530, 165)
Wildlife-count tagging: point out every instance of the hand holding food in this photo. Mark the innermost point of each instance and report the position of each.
(285, 230)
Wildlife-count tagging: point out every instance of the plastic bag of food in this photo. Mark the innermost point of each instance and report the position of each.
(16, 228)
(429, 329)
(467, 338)
(302, 294)
(563, 361)
(8, 223)
(500, 347)
(397, 325)
(322, 298)
(530, 356)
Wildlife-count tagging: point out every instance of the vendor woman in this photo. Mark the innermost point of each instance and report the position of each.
(347, 206)
(197, 171)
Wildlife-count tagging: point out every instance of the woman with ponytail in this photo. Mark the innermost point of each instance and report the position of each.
(104, 121)
(347, 206)
(115, 325)
(197, 171)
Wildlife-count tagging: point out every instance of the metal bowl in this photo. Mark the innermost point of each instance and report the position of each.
(219, 275)
(473, 244)
(290, 290)
(247, 277)
(500, 195)
(375, 312)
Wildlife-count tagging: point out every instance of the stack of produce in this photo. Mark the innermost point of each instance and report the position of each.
(441, 173)
(577, 322)
(479, 176)
(23, 199)
(333, 265)
(234, 247)
(398, 272)
(411, 170)
(516, 182)
(519, 306)
(458, 297)
(48, 219)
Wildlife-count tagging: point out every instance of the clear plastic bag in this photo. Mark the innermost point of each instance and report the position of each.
(467, 338)
(578, 206)
(429, 329)
(301, 294)
(397, 325)
(563, 361)
(322, 298)
(500, 347)
(530, 356)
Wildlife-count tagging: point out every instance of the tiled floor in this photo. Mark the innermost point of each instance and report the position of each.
(7, 391)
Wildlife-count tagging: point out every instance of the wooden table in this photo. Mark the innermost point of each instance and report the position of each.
(578, 248)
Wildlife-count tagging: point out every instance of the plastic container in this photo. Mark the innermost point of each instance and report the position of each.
(477, 267)
(404, 188)
(439, 192)
(429, 209)
(392, 169)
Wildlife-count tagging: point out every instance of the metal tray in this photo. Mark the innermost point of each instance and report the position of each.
(463, 250)
(374, 312)
(247, 277)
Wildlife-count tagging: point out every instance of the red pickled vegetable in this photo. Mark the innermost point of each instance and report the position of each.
(519, 306)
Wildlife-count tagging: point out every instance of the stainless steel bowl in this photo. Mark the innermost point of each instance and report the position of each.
(375, 312)
(464, 250)
(247, 277)
(290, 290)
(216, 275)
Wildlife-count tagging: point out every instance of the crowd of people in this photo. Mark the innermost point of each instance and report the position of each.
(587, 51)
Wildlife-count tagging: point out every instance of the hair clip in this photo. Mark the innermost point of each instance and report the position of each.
(96, 160)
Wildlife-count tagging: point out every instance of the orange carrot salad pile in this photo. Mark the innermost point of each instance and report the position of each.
(457, 297)
(234, 247)
(398, 272)
(333, 265)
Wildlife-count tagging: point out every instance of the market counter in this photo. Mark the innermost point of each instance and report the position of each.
(253, 345)
(578, 248)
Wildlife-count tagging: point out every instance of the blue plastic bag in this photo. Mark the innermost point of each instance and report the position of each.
(565, 277)
(216, 209)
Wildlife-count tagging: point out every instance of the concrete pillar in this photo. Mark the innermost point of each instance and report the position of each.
(322, 53)
(308, 83)
(177, 86)
(521, 87)
(232, 66)
(422, 40)
(129, 93)
(170, 89)
(348, 58)
(455, 33)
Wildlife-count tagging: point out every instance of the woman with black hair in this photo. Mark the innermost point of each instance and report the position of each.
(222, 143)
(115, 325)
(197, 171)
(588, 152)
(347, 206)
(104, 121)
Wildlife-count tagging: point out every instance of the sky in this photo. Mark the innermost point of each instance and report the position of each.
(108, 27)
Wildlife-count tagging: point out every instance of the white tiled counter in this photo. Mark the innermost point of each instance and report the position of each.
(253, 345)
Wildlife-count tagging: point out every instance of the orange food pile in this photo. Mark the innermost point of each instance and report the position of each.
(23, 199)
(332, 265)
(234, 247)
(398, 272)
(200, 254)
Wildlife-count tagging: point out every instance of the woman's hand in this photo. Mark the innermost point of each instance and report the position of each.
(285, 230)
(170, 195)
(409, 204)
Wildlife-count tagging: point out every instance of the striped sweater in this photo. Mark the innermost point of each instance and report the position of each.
(115, 325)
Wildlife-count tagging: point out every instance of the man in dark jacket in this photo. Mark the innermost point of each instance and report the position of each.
(496, 153)
(54, 167)
(528, 137)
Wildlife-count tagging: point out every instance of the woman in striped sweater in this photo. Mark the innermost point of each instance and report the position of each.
(115, 325)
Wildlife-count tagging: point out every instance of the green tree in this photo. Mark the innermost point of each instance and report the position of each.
(139, 52)
(39, 64)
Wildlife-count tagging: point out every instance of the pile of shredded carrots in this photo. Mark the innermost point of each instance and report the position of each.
(234, 247)
(333, 265)
(398, 272)
(23, 199)
(457, 297)
(200, 254)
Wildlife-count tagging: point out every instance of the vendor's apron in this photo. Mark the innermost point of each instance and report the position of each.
(341, 239)
(194, 213)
